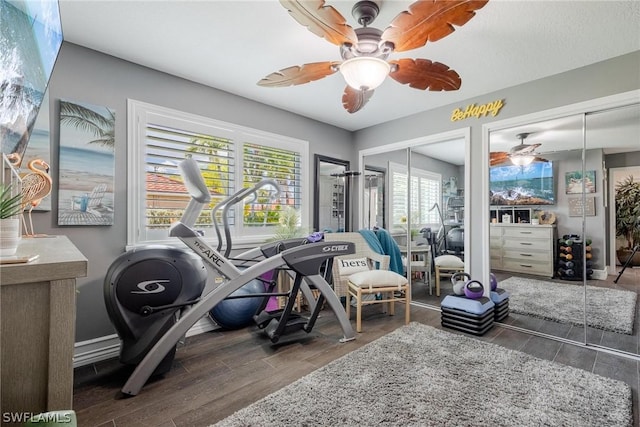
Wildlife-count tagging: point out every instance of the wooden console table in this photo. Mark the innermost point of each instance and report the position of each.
(37, 326)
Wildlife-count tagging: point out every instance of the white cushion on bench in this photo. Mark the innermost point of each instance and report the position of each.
(377, 279)
(448, 261)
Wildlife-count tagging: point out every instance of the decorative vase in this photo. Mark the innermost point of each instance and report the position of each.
(9, 236)
(624, 254)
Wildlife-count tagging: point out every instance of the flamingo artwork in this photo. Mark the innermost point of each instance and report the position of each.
(36, 185)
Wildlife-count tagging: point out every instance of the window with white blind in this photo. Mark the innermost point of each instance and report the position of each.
(230, 157)
(425, 192)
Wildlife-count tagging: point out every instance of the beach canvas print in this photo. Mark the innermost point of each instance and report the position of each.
(87, 164)
(522, 185)
(573, 182)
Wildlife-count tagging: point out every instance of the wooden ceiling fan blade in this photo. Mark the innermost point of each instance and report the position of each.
(353, 99)
(298, 75)
(498, 157)
(540, 160)
(425, 74)
(323, 21)
(429, 21)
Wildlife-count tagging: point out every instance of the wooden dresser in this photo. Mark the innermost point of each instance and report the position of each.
(37, 326)
(523, 248)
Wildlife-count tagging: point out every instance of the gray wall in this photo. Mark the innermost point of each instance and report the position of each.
(84, 75)
(617, 75)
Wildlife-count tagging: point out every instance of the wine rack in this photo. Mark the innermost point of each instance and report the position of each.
(573, 256)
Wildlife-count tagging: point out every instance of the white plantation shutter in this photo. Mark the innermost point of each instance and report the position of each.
(230, 157)
(429, 194)
(165, 195)
(399, 194)
(264, 162)
(425, 191)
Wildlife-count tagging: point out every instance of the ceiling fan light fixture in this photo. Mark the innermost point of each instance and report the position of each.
(365, 72)
(522, 160)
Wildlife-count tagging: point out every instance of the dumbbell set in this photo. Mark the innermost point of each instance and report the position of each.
(570, 262)
(468, 310)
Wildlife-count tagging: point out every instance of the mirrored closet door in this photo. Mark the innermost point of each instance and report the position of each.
(529, 195)
(612, 204)
(553, 225)
(425, 207)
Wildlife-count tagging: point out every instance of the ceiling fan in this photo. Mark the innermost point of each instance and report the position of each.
(521, 155)
(365, 50)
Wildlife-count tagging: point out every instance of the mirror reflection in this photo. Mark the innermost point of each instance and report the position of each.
(616, 135)
(331, 199)
(374, 197)
(552, 233)
(425, 209)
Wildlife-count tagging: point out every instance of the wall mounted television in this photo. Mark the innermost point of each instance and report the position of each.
(512, 185)
(30, 40)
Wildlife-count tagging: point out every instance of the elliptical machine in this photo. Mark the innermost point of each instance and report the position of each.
(145, 292)
(308, 263)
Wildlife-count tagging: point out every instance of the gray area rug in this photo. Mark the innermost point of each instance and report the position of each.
(422, 376)
(608, 309)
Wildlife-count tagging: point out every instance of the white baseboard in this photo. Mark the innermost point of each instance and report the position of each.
(108, 347)
(600, 274)
(96, 350)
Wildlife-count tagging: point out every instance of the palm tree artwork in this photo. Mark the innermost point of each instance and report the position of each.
(87, 164)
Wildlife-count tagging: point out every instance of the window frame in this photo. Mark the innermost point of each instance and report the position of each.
(140, 113)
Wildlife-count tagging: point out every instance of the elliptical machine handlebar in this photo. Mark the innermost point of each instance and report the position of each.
(200, 197)
(232, 200)
(197, 189)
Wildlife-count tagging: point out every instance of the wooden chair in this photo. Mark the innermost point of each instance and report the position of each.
(447, 266)
(90, 201)
(389, 285)
(340, 282)
(356, 276)
(420, 262)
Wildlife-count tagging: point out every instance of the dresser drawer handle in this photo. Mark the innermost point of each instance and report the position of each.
(526, 243)
(525, 265)
(525, 232)
(526, 254)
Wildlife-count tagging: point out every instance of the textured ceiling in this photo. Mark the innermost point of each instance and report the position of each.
(230, 45)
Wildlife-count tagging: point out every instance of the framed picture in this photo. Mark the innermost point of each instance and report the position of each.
(87, 164)
(575, 206)
(574, 182)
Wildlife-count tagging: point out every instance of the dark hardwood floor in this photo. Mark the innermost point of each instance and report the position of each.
(219, 372)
